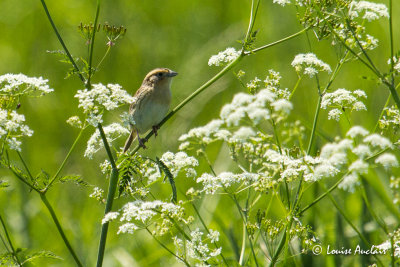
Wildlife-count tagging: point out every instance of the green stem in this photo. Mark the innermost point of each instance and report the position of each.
(382, 112)
(391, 40)
(61, 41)
(348, 220)
(362, 49)
(19, 177)
(391, 87)
(277, 42)
(208, 231)
(25, 166)
(380, 222)
(253, 15)
(59, 228)
(281, 245)
(105, 55)
(14, 253)
(110, 196)
(167, 249)
(321, 196)
(314, 124)
(88, 84)
(242, 251)
(64, 161)
(295, 87)
(244, 219)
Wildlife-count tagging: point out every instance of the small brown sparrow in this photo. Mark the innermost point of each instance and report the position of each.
(151, 104)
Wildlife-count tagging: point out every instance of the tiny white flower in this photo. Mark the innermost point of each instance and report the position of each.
(243, 134)
(356, 131)
(334, 114)
(377, 140)
(74, 121)
(372, 11)
(387, 160)
(112, 132)
(309, 64)
(129, 228)
(350, 182)
(109, 217)
(282, 105)
(359, 166)
(224, 57)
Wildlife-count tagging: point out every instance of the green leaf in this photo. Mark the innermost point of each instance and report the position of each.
(76, 179)
(171, 180)
(41, 254)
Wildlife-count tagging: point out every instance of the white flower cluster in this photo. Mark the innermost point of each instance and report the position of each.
(74, 121)
(342, 99)
(309, 64)
(180, 161)
(197, 248)
(133, 214)
(112, 132)
(224, 57)
(101, 97)
(366, 41)
(97, 193)
(12, 128)
(12, 87)
(281, 2)
(258, 107)
(372, 11)
(287, 166)
(211, 184)
(387, 245)
(390, 119)
(20, 84)
(352, 155)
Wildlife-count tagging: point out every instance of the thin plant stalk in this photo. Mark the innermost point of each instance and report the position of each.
(88, 83)
(60, 230)
(61, 41)
(110, 197)
(14, 252)
(167, 249)
(391, 41)
(55, 176)
(244, 219)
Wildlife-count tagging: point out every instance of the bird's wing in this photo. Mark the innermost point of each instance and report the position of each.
(140, 95)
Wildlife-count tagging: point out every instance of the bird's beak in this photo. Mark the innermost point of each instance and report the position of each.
(172, 73)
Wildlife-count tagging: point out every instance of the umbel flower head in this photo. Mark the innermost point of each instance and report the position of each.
(101, 97)
(12, 88)
(224, 57)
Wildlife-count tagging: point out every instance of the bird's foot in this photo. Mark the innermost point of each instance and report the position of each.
(141, 142)
(155, 130)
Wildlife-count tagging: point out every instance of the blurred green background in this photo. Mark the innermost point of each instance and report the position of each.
(177, 34)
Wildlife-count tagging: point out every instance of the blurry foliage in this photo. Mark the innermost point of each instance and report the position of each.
(177, 34)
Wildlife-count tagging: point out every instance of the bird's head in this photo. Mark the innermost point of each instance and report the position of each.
(160, 77)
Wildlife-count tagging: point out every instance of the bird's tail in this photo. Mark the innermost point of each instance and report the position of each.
(129, 141)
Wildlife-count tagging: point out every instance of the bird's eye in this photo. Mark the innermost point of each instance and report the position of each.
(160, 74)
